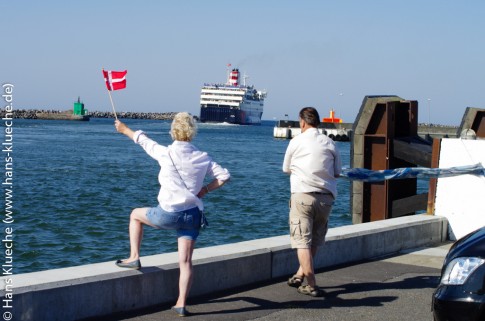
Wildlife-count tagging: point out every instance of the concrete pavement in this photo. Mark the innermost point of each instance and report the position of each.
(398, 287)
(100, 289)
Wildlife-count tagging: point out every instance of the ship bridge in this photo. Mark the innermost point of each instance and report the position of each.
(222, 96)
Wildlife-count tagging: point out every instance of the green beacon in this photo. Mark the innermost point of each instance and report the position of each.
(79, 108)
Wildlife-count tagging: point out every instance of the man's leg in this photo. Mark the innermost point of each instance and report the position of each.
(319, 227)
(301, 227)
(305, 258)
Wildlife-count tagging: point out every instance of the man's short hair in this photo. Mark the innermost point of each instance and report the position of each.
(310, 116)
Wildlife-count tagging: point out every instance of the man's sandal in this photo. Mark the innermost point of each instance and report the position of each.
(295, 281)
(308, 290)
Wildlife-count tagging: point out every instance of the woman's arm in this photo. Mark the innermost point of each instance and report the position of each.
(151, 147)
(221, 176)
(212, 186)
(122, 128)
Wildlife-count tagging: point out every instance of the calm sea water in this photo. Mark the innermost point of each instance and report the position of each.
(76, 183)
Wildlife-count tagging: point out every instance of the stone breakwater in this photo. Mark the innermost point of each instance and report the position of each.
(35, 114)
(134, 115)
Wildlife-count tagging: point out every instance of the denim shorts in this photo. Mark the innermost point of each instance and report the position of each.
(187, 223)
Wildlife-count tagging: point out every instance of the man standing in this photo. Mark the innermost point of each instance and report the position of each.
(314, 163)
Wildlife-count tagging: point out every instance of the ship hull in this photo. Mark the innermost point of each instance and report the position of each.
(250, 114)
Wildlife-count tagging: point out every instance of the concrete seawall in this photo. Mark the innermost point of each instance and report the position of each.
(102, 289)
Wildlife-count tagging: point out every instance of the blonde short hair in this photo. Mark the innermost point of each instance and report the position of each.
(183, 127)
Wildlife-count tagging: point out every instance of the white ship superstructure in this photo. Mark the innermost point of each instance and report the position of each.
(231, 102)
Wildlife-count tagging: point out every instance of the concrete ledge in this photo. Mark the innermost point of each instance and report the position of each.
(101, 289)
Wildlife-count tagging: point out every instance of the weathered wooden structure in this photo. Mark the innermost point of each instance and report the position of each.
(385, 136)
(474, 119)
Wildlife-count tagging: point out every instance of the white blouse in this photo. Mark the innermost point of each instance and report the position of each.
(193, 166)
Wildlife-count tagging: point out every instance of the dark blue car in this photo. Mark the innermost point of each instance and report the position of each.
(461, 292)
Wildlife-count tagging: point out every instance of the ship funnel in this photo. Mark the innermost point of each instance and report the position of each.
(234, 77)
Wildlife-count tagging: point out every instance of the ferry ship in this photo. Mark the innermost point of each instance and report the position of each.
(231, 102)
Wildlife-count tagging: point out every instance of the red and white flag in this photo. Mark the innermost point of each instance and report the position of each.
(115, 79)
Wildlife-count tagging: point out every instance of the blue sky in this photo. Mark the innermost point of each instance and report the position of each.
(326, 54)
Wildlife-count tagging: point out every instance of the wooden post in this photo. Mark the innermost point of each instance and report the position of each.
(435, 162)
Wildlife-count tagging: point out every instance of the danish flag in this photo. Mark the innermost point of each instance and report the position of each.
(115, 79)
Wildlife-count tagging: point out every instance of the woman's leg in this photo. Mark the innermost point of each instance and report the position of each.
(185, 249)
(138, 217)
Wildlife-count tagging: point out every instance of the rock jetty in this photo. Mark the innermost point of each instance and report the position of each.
(67, 115)
(58, 114)
(133, 115)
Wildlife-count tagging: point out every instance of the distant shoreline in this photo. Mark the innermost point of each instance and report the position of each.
(41, 113)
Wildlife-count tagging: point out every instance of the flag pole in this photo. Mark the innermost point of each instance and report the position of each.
(112, 105)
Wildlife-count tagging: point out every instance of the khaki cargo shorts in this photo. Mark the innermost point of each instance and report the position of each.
(308, 220)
